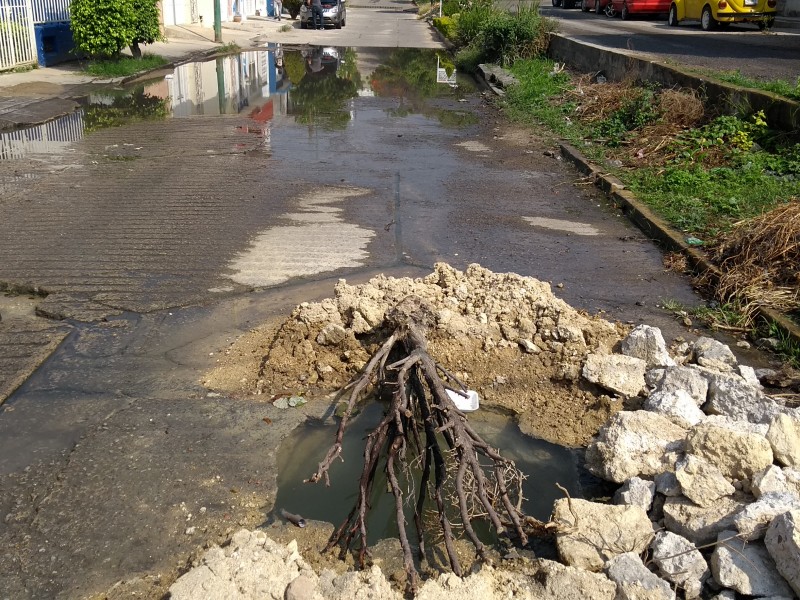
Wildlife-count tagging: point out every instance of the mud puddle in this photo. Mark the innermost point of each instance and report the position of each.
(543, 463)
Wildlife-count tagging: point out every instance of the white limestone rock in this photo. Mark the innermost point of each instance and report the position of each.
(776, 480)
(783, 544)
(636, 491)
(701, 525)
(746, 567)
(617, 373)
(733, 397)
(701, 481)
(634, 443)
(554, 581)
(737, 455)
(647, 343)
(590, 533)
(685, 379)
(749, 375)
(737, 426)
(677, 405)
(713, 354)
(752, 522)
(784, 437)
(680, 562)
(635, 581)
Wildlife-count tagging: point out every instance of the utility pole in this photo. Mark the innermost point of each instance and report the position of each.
(217, 21)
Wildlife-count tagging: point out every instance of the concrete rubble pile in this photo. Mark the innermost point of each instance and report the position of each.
(708, 504)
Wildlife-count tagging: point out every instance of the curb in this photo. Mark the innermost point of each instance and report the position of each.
(657, 229)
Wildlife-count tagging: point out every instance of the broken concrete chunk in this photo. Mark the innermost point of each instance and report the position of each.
(680, 562)
(635, 581)
(746, 567)
(784, 437)
(686, 379)
(752, 522)
(647, 343)
(701, 481)
(737, 455)
(783, 544)
(554, 581)
(636, 443)
(776, 480)
(331, 334)
(637, 492)
(732, 396)
(623, 375)
(590, 533)
(676, 405)
(713, 354)
(701, 525)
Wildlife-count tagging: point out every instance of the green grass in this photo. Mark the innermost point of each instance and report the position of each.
(777, 86)
(530, 100)
(124, 66)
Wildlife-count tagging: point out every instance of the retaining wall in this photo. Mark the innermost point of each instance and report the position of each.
(617, 66)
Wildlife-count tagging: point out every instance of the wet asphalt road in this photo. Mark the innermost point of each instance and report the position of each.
(159, 241)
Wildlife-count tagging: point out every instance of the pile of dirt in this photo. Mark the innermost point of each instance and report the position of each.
(506, 336)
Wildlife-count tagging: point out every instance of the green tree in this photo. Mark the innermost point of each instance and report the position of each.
(102, 28)
(146, 25)
(293, 7)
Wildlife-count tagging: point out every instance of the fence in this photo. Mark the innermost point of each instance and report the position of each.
(17, 41)
(49, 11)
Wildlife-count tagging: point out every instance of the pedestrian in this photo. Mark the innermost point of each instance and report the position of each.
(278, 8)
(316, 14)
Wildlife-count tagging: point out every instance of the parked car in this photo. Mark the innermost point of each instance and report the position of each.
(333, 13)
(565, 3)
(596, 6)
(714, 13)
(626, 8)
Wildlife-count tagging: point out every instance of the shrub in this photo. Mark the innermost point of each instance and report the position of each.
(471, 20)
(102, 28)
(450, 7)
(146, 25)
(447, 26)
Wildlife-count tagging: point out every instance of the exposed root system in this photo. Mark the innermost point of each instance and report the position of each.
(424, 430)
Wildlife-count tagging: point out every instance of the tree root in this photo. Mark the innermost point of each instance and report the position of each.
(423, 427)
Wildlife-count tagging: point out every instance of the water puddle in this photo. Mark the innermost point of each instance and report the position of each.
(544, 464)
(314, 240)
(314, 86)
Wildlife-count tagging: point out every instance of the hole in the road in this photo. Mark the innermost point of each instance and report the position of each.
(543, 463)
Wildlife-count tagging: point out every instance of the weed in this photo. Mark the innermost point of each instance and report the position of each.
(232, 47)
(787, 347)
(285, 28)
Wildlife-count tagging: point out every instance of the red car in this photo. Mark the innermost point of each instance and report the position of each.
(598, 6)
(626, 8)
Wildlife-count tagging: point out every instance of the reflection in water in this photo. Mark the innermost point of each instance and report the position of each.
(53, 137)
(317, 86)
(330, 78)
(414, 75)
(543, 463)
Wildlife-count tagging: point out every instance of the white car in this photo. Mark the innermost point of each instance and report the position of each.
(333, 13)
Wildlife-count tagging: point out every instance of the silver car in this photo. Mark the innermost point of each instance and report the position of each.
(333, 13)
